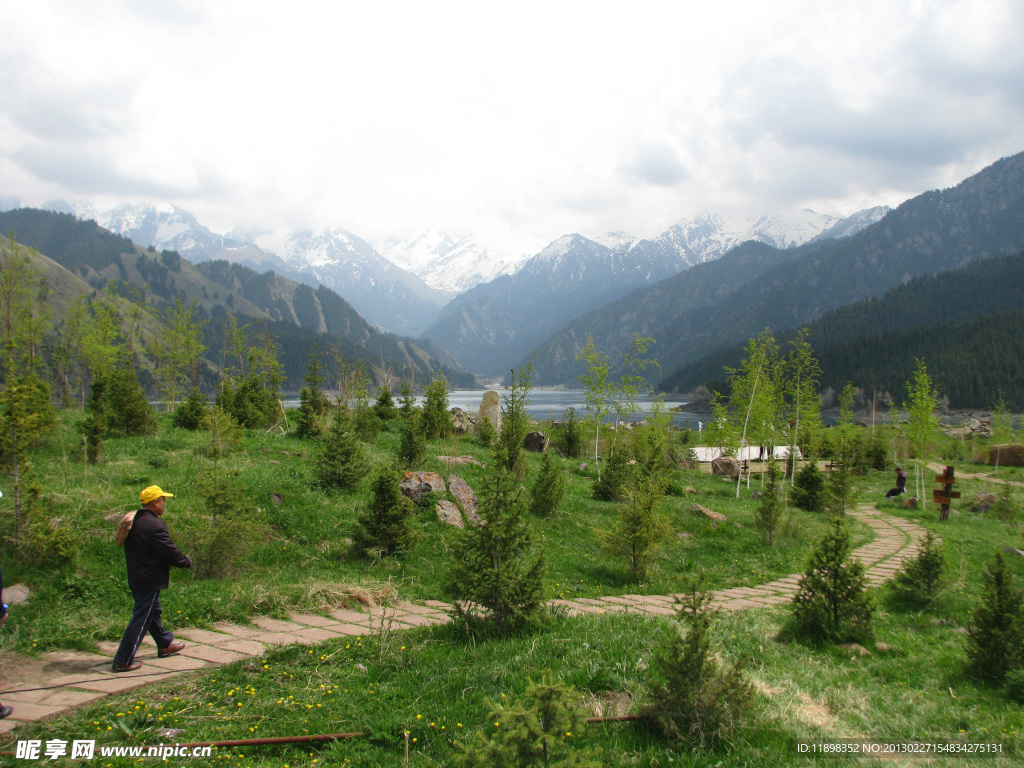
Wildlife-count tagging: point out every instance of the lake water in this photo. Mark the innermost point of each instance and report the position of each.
(552, 404)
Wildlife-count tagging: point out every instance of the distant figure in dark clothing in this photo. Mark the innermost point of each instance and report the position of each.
(5, 711)
(901, 485)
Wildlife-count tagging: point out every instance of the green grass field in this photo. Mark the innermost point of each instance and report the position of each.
(434, 683)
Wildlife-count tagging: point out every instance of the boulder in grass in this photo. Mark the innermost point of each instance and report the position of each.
(536, 442)
(448, 513)
(416, 485)
(727, 466)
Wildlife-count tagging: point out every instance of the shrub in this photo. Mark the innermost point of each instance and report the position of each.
(693, 699)
(809, 488)
(49, 545)
(921, 578)
(193, 413)
(385, 525)
(494, 564)
(534, 732)
(225, 433)
(120, 405)
(831, 602)
(995, 633)
(549, 488)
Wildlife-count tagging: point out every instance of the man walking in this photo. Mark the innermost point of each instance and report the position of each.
(149, 554)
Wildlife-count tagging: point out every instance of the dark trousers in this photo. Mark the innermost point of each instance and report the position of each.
(145, 618)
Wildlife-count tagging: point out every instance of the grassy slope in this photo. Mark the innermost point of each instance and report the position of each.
(803, 692)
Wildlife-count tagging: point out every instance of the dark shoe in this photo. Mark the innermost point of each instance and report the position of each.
(5, 711)
(170, 650)
(115, 667)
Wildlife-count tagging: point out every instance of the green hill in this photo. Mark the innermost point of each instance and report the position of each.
(303, 315)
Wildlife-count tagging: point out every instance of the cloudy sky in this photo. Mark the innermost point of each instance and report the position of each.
(509, 120)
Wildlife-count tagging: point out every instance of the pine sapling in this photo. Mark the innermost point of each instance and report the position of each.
(693, 698)
(832, 602)
(385, 527)
(995, 634)
(922, 577)
(548, 489)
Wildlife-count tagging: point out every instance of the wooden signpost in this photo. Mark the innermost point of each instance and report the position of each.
(947, 494)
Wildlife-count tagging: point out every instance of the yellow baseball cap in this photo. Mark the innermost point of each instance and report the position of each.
(152, 493)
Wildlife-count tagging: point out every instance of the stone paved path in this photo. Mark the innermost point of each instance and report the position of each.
(61, 680)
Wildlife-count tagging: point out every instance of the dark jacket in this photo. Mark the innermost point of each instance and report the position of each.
(150, 553)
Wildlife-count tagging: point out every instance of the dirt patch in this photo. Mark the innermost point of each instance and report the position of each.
(814, 712)
(608, 704)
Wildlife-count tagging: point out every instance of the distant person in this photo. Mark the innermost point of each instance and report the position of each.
(5, 711)
(149, 554)
(700, 426)
(901, 484)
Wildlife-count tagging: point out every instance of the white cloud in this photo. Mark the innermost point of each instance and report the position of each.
(519, 120)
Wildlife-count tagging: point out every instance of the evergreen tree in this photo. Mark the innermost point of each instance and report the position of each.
(515, 422)
(548, 489)
(341, 463)
(26, 415)
(413, 447)
(437, 421)
(639, 529)
(486, 433)
(533, 733)
(809, 490)
(922, 577)
(408, 401)
(385, 527)
(384, 406)
(692, 698)
(613, 483)
(193, 413)
(125, 408)
(494, 565)
(236, 525)
(366, 422)
(831, 602)
(995, 633)
(569, 440)
(768, 512)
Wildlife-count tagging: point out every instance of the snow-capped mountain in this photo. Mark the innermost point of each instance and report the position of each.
(450, 264)
(710, 236)
(383, 293)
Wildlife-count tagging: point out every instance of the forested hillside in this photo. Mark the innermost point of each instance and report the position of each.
(961, 322)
